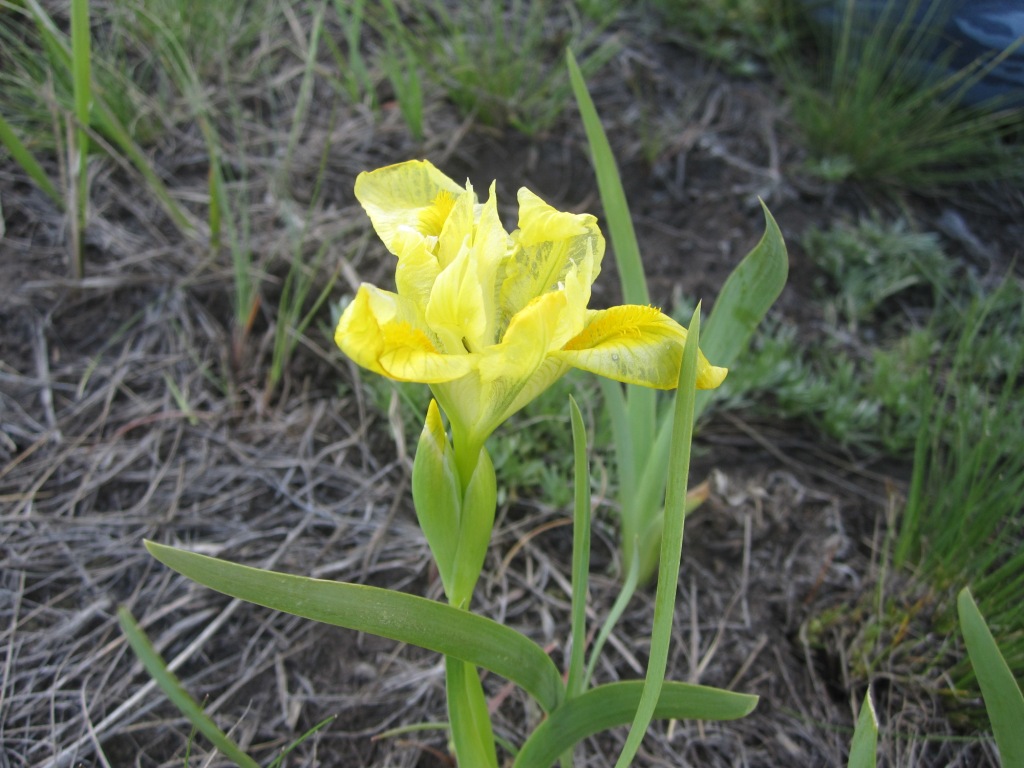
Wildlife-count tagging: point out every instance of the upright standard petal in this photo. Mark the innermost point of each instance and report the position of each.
(491, 245)
(412, 195)
(455, 311)
(546, 245)
(458, 226)
(636, 345)
(417, 267)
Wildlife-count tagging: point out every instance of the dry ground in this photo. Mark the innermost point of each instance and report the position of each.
(97, 454)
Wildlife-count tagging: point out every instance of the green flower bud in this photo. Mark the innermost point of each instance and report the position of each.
(437, 495)
(477, 520)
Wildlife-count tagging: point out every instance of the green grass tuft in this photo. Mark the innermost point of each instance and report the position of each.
(867, 113)
(965, 513)
(499, 62)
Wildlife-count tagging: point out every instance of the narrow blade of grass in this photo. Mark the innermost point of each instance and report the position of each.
(173, 689)
(302, 100)
(613, 197)
(671, 545)
(81, 69)
(23, 157)
(580, 552)
(1003, 699)
(308, 734)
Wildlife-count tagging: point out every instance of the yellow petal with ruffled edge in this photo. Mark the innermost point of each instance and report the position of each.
(547, 244)
(636, 345)
(526, 342)
(413, 195)
(491, 245)
(518, 362)
(458, 227)
(417, 267)
(455, 311)
(540, 222)
(375, 332)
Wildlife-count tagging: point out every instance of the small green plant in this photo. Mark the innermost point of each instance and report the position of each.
(858, 380)
(62, 96)
(499, 61)
(351, 69)
(868, 264)
(736, 34)
(962, 380)
(963, 517)
(999, 690)
(867, 113)
(865, 400)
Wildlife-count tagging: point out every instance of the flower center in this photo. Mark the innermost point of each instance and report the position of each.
(433, 217)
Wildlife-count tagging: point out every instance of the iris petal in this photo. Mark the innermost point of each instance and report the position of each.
(458, 227)
(636, 345)
(375, 332)
(417, 267)
(526, 342)
(409, 355)
(397, 196)
(455, 311)
(548, 242)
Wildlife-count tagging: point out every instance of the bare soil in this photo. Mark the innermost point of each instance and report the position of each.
(98, 452)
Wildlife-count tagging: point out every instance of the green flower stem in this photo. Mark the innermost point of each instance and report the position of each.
(468, 715)
(467, 712)
(577, 680)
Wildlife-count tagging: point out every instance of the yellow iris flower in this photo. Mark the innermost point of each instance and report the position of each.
(490, 319)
